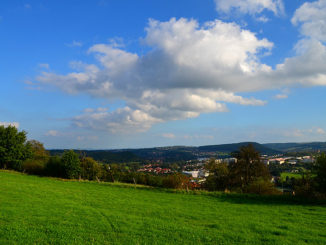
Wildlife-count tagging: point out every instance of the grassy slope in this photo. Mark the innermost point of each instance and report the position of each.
(291, 175)
(43, 210)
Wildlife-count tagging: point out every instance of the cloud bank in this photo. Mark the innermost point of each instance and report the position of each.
(190, 69)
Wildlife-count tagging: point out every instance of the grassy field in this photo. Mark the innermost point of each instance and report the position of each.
(35, 210)
(290, 175)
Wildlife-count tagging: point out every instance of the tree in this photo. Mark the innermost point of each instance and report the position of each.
(71, 164)
(90, 169)
(176, 181)
(321, 172)
(54, 167)
(39, 158)
(248, 167)
(219, 175)
(13, 147)
(38, 150)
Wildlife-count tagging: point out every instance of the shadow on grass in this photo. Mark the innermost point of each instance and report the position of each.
(235, 198)
(267, 199)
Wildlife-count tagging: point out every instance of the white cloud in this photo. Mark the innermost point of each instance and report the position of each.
(250, 6)
(311, 17)
(320, 131)
(74, 43)
(305, 133)
(190, 69)
(281, 96)
(44, 65)
(168, 135)
(6, 124)
(263, 19)
(123, 120)
(52, 133)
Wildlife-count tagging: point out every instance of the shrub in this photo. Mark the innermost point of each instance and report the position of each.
(90, 169)
(54, 167)
(176, 181)
(261, 187)
(71, 164)
(32, 166)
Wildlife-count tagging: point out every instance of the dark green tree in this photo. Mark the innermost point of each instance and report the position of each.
(54, 167)
(248, 167)
(90, 169)
(38, 160)
(71, 164)
(321, 172)
(13, 148)
(219, 176)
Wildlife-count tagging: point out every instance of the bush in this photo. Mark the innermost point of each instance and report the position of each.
(71, 164)
(304, 187)
(32, 166)
(176, 181)
(90, 169)
(261, 187)
(321, 173)
(54, 167)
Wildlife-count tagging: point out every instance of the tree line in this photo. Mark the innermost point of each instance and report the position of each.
(30, 157)
(247, 175)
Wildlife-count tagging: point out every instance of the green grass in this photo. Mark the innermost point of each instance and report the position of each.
(290, 175)
(35, 210)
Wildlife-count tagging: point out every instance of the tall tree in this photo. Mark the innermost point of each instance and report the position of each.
(38, 160)
(13, 147)
(321, 172)
(90, 169)
(71, 164)
(248, 167)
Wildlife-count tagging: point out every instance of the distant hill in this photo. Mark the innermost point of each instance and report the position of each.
(298, 147)
(228, 148)
(169, 154)
(106, 156)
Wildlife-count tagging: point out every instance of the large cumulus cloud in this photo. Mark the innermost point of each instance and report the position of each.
(190, 69)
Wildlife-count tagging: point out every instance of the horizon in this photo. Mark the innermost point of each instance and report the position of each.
(171, 146)
(125, 74)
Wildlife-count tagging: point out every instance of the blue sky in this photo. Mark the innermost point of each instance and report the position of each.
(115, 74)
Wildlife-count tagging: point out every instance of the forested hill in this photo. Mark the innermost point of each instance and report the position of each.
(228, 148)
(106, 156)
(168, 154)
(298, 147)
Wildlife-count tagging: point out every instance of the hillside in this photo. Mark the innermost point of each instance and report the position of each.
(107, 156)
(169, 154)
(298, 147)
(228, 148)
(37, 210)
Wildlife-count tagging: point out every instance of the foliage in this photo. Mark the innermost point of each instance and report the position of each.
(90, 169)
(218, 179)
(54, 167)
(71, 164)
(13, 148)
(38, 160)
(176, 181)
(248, 168)
(261, 186)
(304, 186)
(321, 172)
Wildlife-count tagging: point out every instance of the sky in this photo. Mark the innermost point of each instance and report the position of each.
(108, 74)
